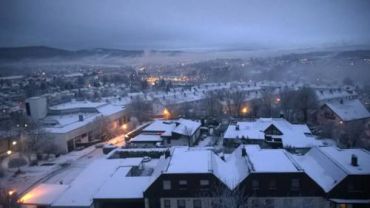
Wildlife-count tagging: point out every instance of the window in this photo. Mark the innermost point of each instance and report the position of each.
(204, 183)
(166, 185)
(272, 184)
(255, 185)
(183, 184)
(167, 203)
(295, 184)
(197, 203)
(181, 203)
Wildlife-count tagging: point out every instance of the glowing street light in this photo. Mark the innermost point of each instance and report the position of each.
(166, 113)
(9, 152)
(11, 192)
(14, 143)
(245, 110)
(277, 100)
(124, 127)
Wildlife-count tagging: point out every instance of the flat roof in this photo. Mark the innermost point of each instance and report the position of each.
(82, 190)
(146, 138)
(43, 194)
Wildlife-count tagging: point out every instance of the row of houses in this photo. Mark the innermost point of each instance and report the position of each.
(199, 178)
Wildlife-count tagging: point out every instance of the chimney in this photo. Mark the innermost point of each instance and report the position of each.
(354, 160)
(237, 127)
(244, 152)
(80, 117)
(282, 114)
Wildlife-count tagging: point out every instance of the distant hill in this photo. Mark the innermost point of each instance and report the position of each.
(42, 52)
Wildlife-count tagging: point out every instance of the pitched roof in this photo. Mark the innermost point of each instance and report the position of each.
(349, 110)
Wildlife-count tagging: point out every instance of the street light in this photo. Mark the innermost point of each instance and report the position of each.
(166, 113)
(11, 192)
(9, 152)
(14, 143)
(245, 110)
(124, 126)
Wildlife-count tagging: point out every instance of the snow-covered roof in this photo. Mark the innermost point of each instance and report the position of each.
(294, 135)
(146, 138)
(270, 160)
(160, 126)
(110, 109)
(166, 127)
(43, 194)
(200, 161)
(343, 158)
(348, 110)
(334, 94)
(320, 168)
(186, 127)
(68, 122)
(120, 187)
(77, 104)
(232, 170)
(328, 166)
(87, 184)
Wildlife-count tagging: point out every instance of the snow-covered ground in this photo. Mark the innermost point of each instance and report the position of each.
(55, 172)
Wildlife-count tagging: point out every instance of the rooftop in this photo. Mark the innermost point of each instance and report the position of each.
(43, 194)
(349, 110)
(270, 160)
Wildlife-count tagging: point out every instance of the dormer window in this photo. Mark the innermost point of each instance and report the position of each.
(166, 185)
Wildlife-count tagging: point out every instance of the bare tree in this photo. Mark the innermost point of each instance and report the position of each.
(352, 133)
(104, 129)
(306, 100)
(298, 102)
(223, 197)
(141, 109)
(234, 101)
(212, 104)
(37, 142)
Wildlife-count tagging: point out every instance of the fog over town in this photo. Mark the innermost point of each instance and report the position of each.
(184, 104)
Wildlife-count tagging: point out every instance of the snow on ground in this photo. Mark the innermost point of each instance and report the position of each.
(55, 173)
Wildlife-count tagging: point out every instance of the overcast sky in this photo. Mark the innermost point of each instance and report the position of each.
(175, 24)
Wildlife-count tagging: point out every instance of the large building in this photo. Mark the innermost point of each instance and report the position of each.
(199, 178)
(75, 124)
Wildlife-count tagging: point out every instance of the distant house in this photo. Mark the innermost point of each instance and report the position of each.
(343, 111)
(274, 132)
(168, 133)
